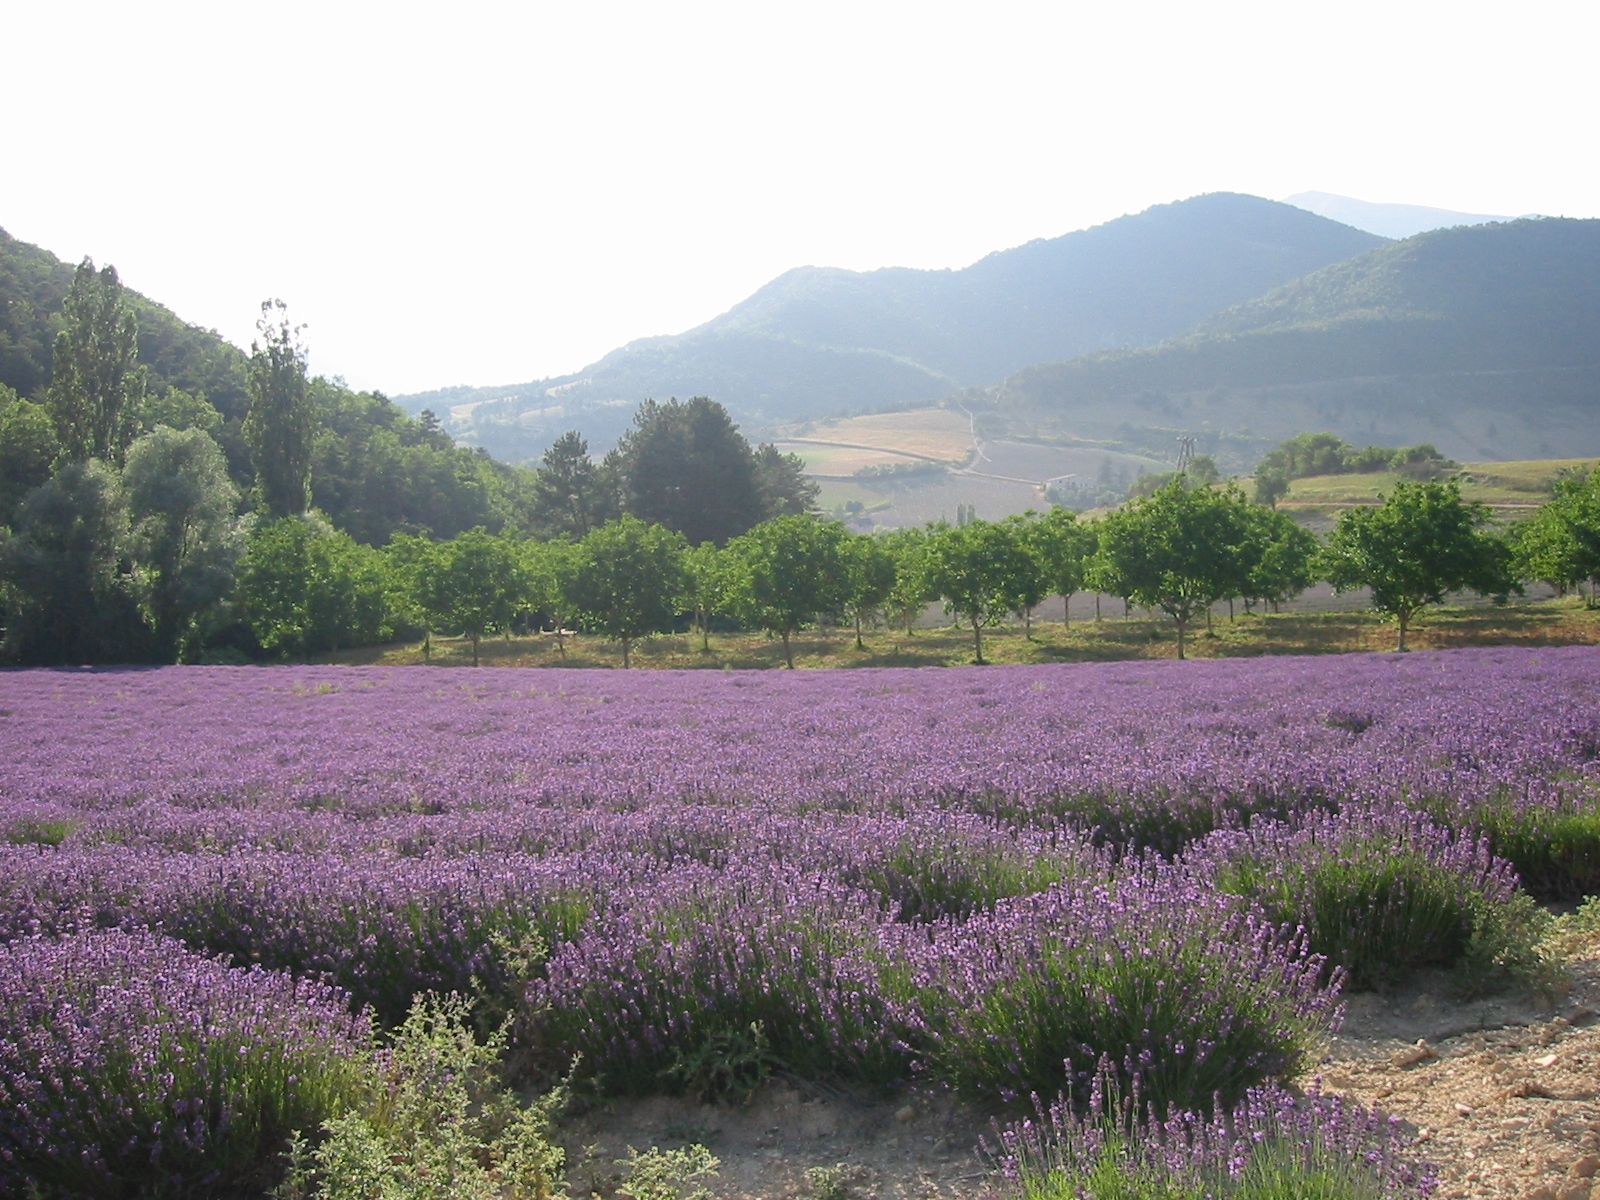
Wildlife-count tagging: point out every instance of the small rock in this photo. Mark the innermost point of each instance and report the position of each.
(1412, 1055)
(1578, 1189)
(908, 1113)
(1549, 1060)
(1516, 1123)
(1543, 1192)
(1585, 1167)
(1463, 1111)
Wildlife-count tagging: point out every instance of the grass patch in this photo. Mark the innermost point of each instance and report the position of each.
(1542, 623)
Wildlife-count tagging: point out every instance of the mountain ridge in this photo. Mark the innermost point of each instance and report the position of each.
(820, 340)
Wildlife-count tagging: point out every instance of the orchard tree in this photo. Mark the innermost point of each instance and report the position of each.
(912, 593)
(407, 561)
(548, 569)
(1064, 546)
(305, 586)
(1176, 549)
(1422, 542)
(281, 424)
(708, 586)
(1281, 558)
(978, 569)
(472, 584)
(186, 538)
(787, 571)
(1033, 585)
(869, 577)
(626, 581)
(1560, 543)
(96, 387)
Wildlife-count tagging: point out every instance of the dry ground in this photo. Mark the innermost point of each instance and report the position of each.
(1500, 1093)
(1309, 631)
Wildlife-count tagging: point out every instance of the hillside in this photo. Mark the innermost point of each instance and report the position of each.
(819, 340)
(1483, 340)
(33, 283)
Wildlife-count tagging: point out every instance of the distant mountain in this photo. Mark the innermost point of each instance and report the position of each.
(1484, 340)
(1387, 220)
(819, 340)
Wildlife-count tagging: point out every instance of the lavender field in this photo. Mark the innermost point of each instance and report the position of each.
(1005, 881)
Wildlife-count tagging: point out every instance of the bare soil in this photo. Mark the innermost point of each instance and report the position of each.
(1501, 1094)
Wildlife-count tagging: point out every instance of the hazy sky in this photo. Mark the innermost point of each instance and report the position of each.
(490, 193)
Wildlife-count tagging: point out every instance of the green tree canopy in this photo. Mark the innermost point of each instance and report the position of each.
(869, 577)
(186, 537)
(1176, 549)
(912, 593)
(96, 388)
(789, 570)
(472, 584)
(282, 419)
(1422, 542)
(626, 580)
(978, 570)
(1064, 546)
(68, 599)
(1560, 543)
(28, 447)
(782, 484)
(685, 466)
(1280, 558)
(305, 586)
(572, 494)
(709, 585)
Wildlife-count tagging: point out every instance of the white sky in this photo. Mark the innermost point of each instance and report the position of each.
(489, 193)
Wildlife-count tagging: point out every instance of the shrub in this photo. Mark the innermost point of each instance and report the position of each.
(131, 1067)
(1184, 993)
(440, 1127)
(1381, 893)
(706, 980)
(1555, 848)
(1272, 1146)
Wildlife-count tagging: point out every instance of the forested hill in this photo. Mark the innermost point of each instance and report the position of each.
(34, 282)
(375, 470)
(1483, 340)
(818, 340)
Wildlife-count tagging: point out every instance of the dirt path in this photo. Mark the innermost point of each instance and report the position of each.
(1501, 1093)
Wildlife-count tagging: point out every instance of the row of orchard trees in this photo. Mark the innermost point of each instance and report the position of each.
(1180, 550)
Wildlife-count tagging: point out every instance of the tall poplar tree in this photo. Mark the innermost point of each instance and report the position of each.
(97, 387)
(282, 419)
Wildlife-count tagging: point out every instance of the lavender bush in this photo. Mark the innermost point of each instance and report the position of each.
(1185, 995)
(706, 980)
(1274, 1145)
(130, 1066)
(1381, 893)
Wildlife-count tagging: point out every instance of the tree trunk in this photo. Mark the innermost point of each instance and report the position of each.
(1127, 607)
(1027, 623)
(1230, 610)
(475, 649)
(1097, 608)
(1208, 618)
(1402, 618)
(561, 639)
(1181, 624)
(705, 631)
(788, 652)
(977, 641)
(860, 645)
(427, 645)
(627, 660)
(1066, 608)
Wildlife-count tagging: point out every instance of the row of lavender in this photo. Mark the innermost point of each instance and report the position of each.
(1147, 754)
(886, 876)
